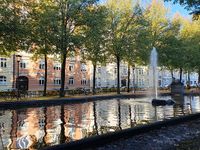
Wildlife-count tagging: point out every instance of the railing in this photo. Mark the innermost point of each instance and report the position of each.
(13, 94)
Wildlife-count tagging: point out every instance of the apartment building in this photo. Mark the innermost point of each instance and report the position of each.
(29, 72)
(6, 72)
(140, 76)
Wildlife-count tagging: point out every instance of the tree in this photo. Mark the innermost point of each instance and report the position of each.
(71, 23)
(95, 37)
(120, 18)
(134, 41)
(190, 34)
(164, 35)
(171, 49)
(43, 23)
(13, 25)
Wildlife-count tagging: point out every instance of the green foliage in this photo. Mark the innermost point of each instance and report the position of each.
(115, 31)
(95, 34)
(170, 49)
(70, 29)
(119, 22)
(44, 27)
(135, 39)
(190, 34)
(157, 26)
(13, 25)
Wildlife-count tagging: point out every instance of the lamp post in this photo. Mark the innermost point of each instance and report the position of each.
(17, 78)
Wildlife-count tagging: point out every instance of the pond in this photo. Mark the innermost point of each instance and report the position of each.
(39, 127)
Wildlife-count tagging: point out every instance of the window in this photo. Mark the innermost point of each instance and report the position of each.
(139, 71)
(107, 83)
(57, 81)
(139, 83)
(41, 81)
(83, 67)
(57, 66)
(2, 80)
(71, 67)
(115, 70)
(42, 65)
(83, 81)
(71, 80)
(124, 71)
(23, 64)
(3, 63)
(72, 55)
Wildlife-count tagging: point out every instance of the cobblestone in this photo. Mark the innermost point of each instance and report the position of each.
(168, 138)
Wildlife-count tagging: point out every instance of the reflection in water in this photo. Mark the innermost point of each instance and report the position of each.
(34, 128)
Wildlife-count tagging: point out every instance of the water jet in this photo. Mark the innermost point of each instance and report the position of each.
(154, 83)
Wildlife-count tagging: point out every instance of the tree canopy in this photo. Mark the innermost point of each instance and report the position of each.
(114, 31)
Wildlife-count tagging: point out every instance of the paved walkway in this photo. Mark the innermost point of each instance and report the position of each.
(169, 138)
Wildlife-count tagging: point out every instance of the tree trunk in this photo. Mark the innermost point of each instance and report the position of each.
(128, 89)
(62, 91)
(198, 76)
(63, 48)
(188, 78)
(118, 75)
(45, 75)
(181, 71)
(134, 88)
(45, 126)
(172, 74)
(62, 125)
(119, 115)
(14, 72)
(95, 118)
(94, 78)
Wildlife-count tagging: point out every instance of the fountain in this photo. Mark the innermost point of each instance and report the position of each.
(154, 72)
(154, 82)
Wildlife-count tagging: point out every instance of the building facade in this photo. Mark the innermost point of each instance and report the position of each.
(6, 72)
(140, 76)
(29, 72)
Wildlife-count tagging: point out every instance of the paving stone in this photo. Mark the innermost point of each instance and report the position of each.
(168, 138)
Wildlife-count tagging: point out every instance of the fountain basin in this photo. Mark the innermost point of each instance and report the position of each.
(162, 102)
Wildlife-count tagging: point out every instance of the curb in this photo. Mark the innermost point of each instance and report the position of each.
(38, 103)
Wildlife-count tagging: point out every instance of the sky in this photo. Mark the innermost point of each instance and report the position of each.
(173, 8)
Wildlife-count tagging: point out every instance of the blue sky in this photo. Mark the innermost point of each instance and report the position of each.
(173, 8)
(177, 8)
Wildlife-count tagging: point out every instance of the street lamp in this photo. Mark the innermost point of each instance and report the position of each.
(18, 57)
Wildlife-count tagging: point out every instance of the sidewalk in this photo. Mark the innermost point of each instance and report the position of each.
(181, 136)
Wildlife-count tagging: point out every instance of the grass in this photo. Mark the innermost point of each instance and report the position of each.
(52, 97)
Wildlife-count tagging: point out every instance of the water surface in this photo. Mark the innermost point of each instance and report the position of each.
(35, 128)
